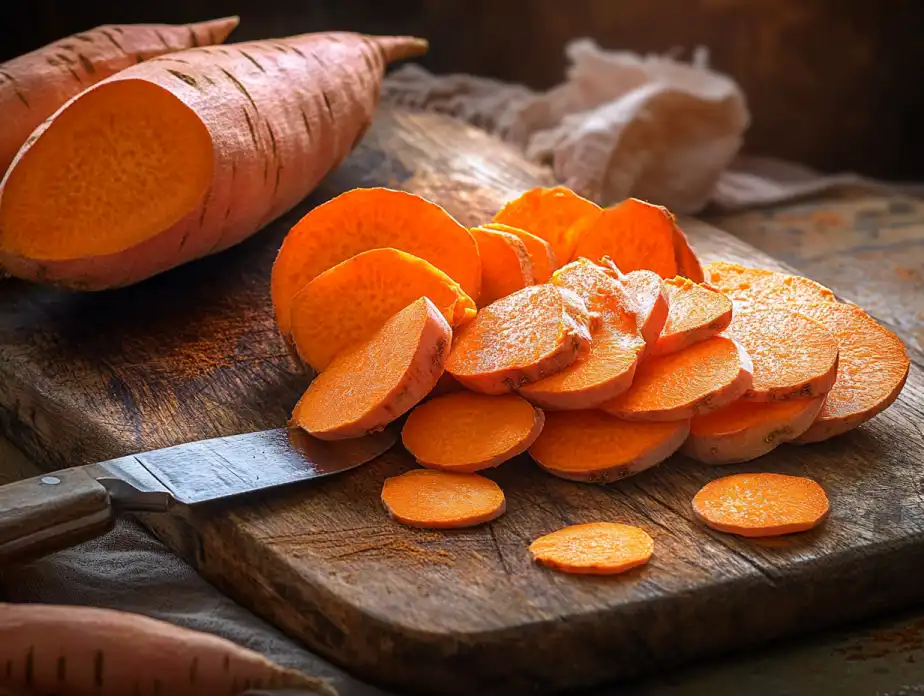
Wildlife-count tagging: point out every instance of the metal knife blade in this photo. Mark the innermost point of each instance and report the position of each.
(209, 470)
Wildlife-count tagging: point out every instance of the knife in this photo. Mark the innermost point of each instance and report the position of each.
(51, 512)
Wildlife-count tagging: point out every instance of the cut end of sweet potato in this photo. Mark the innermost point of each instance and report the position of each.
(123, 162)
(647, 301)
(688, 264)
(597, 548)
(364, 219)
(348, 302)
(636, 235)
(595, 447)
(745, 430)
(379, 379)
(695, 312)
(554, 214)
(467, 432)
(442, 500)
(757, 286)
(761, 505)
(702, 378)
(794, 356)
(872, 368)
(540, 251)
(520, 339)
(505, 264)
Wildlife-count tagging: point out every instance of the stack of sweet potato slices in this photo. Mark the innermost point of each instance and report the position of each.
(590, 337)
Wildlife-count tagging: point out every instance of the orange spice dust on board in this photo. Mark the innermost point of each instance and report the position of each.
(597, 548)
(763, 504)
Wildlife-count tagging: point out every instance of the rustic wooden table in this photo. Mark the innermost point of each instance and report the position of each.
(877, 242)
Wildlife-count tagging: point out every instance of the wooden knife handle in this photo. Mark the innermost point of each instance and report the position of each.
(51, 512)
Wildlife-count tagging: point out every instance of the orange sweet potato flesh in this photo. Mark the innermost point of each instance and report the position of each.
(745, 430)
(872, 368)
(688, 264)
(761, 505)
(636, 235)
(695, 313)
(593, 446)
(553, 214)
(755, 286)
(540, 251)
(519, 339)
(364, 219)
(505, 264)
(702, 378)
(794, 356)
(35, 85)
(647, 301)
(348, 302)
(442, 499)
(606, 370)
(187, 154)
(596, 548)
(84, 651)
(468, 432)
(374, 382)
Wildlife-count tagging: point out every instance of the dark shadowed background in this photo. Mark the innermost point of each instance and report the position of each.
(836, 84)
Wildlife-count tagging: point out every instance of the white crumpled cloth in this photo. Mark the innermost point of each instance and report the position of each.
(622, 125)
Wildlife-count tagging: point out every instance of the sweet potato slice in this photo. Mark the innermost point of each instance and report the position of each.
(597, 548)
(705, 377)
(756, 286)
(688, 264)
(505, 264)
(606, 370)
(745, 430)
(636, 235)
(348, 302)
(375, 381)
(760, 505)
(442, 499)
(467, 432)
(363, 219)
(695, 313)
(872, 369)
(794, 356)
(596, 447)
(647, 300)
(551, 214)
(540, 251)
(520, 339)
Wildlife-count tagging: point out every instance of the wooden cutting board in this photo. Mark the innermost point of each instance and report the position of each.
(194, 354)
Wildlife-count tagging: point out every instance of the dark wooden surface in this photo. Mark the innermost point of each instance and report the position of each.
(194, 354)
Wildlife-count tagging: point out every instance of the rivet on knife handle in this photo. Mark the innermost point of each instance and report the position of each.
(51, 512)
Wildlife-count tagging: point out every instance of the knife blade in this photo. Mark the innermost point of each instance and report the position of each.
(54, 511)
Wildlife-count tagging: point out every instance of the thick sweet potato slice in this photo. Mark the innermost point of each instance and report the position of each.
(794, 356)
(607, 369)
(760, 505)
(467, 432)
(540, 251)
(705, 377)
(872, 369)
(647, 301)
(596, 447)
(636, 235)
(442, 499)
(688, 264)
(551, 214)
(505, 264)
(745, 430)
(519, 339)
(696, 312)
(348, 302)
(364, 219)
(597, 548)
(374, 382)
(746, 285)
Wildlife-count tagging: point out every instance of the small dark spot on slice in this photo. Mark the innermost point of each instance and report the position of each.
(330, 109)
(112, 40)
(253, 133)
(278, 174)
(65, 58)
(69, 47)
(84, 38)
(252, 59)
(86, 63)
(208, 79)
(178, 60)
(22, 97)
(193, 39)
(189, 80)
(272, 136)
(139, 59)
(295, 48)
(52, 62)
(162, 39)
(226, 663)
(118, 30)
(98, 666)
(305, 121)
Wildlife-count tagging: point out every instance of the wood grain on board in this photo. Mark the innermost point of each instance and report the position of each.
(194, 354)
